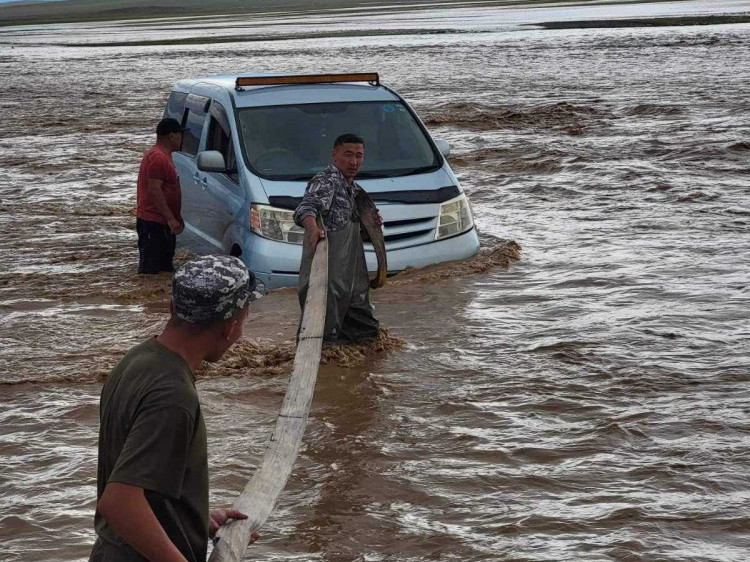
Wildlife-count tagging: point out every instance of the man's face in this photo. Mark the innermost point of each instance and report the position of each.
(227, 334)
(348, 157)
(175, 141)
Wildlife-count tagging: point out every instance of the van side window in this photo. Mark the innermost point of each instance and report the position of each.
(220, 139)
(175, 105)
(193, 121)
(196, 108)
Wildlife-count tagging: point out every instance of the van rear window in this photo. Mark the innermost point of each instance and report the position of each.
(189, 115)
(175, 105)
(295, 141)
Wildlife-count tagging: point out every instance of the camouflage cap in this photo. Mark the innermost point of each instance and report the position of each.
(213, 288)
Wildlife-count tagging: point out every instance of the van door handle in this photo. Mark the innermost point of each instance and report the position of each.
(202, 181)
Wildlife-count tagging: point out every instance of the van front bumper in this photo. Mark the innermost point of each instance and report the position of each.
(285, 258)
(451, 249)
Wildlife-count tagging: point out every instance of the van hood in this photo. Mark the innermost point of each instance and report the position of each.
(432, 187)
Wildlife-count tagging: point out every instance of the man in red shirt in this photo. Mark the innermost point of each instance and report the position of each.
(159, 200)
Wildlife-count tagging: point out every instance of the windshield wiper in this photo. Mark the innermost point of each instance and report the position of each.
(418, 170)
(296, 178)
(371, 175)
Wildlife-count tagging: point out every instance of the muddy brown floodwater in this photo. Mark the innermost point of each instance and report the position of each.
(580, 391)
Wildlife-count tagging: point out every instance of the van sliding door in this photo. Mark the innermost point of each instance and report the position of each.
(193, 119)
(222, 198)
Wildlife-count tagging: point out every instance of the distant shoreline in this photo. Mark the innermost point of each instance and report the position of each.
(582, 24)
(90, 11)
(261, 38)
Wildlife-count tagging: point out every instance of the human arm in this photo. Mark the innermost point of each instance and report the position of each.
(316, 201)
(157, 196)
(314, 232)
(163, 445)
(126, 509)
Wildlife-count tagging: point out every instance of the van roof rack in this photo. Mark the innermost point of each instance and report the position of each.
(369, 77)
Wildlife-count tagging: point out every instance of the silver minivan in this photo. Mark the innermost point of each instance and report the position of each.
(253, 142)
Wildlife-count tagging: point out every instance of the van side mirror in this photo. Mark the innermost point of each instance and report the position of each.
(443, 146)
(211, 161)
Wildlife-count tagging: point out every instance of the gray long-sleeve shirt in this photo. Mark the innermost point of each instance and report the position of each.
(330, 195)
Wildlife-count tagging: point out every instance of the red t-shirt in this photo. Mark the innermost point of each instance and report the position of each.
(157, 165)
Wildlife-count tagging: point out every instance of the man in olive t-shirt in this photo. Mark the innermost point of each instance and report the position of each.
(152, 480)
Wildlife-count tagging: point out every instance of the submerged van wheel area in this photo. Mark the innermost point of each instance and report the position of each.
(236, 251)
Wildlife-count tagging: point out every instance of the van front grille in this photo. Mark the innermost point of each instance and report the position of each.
(406, 235)
(407, 222)
(404, 231)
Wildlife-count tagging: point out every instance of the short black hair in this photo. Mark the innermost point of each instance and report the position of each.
(169, 125)
(348, 138)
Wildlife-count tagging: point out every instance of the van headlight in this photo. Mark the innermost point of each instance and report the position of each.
(275, 224)
(454, 218)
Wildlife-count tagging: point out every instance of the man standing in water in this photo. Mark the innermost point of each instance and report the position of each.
(152, 478)
(159, 200)
(332, 194)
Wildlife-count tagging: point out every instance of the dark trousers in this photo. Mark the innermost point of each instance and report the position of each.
(156, 245)
(349, 314)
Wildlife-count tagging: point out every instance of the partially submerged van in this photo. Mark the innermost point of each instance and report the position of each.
(253, 142)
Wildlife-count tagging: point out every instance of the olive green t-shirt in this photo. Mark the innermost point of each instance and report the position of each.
(153, 436)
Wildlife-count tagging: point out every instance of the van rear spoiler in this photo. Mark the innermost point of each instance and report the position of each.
(369, 77)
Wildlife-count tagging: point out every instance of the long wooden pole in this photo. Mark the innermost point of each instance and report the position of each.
(260, 493)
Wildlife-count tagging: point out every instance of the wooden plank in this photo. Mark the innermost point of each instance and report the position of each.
(260, 494)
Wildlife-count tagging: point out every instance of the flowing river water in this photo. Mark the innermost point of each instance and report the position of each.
(588, 401)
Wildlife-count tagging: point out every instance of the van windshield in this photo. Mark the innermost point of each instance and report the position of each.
(294, 142)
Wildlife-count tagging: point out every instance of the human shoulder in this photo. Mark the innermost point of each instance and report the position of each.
(150, 375)
(157, 162)
(322, 176)
(154, 153)
(325, 179)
